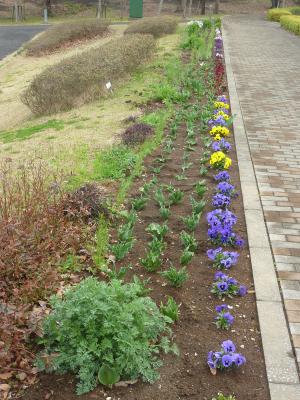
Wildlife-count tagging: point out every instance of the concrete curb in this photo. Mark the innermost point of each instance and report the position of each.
(281, 367)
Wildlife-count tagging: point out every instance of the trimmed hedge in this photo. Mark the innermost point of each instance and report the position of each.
(155, 26)
(275, 13)
(291, 23)
(82, 78)
(63, 34)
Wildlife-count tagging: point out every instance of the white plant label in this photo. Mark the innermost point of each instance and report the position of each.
(108, 85)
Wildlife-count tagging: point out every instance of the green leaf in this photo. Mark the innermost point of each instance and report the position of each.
(108, 376)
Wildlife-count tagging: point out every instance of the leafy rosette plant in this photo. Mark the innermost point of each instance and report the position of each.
(219, 160)
(221, 145)
(224, 318)
(220, 230)
(106, 332)
(222, 259)
(227, 189)
(225, 285)
(226, 358)
(222, 176)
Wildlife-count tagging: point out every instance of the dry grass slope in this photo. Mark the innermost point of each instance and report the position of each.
(61, 35)
(81, 78)
(156, 26)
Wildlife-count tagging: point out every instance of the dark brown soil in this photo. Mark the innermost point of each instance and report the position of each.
(187, 376)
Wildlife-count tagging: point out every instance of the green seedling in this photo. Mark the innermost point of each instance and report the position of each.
(159, 197)
(180, 177)
(164, 212)
(139, 203)
(152, 261)
(186, 165)
(176, 278)
(200, 188)
(114, 273)
(156, 245)
(157, 230)
(186, 257)
(120, 250)
(155, 170)
(203, 170)
(125, 233)
(145, 189)
(197, 206)
(170, 309)
(191, 221)
(206, 141)
(188, 240)
(176, 196)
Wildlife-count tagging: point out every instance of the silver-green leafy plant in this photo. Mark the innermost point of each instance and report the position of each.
(105, 332)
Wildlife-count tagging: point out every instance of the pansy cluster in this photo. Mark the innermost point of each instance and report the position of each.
(225, 285)
(221, 221)
(222, 259)
(220, 231)
(225, 358)
(224, 318)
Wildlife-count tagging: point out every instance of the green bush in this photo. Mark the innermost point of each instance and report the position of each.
(108, 331)
(295, 10)
(81, 78)
(156, 26)
(61, 34)
(275, 13)
(291, 23)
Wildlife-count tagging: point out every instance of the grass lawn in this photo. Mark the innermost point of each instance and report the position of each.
(68, 140)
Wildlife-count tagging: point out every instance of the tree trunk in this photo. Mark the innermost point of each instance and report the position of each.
(217, 5)
(160, 6)
(99, 9)
(203, 7)
(190, 8)
(184, 4)
(48, 6)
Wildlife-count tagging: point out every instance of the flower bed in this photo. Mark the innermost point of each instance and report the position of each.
(177, 231)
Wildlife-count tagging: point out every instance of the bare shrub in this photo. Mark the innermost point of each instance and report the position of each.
(64, 34)
(81, 78)
(155, 26)
(89, 201)
(137, 134)
(35, 232)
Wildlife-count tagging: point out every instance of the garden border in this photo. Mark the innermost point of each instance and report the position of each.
(282, 374)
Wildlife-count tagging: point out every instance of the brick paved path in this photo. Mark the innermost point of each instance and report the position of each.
(266, 65)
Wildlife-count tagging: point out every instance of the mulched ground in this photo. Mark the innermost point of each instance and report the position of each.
(187, 376)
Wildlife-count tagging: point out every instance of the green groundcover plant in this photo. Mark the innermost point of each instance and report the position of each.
(106, 332)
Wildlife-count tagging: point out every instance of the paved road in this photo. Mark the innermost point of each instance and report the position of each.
(265, 61)
(12, 37)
